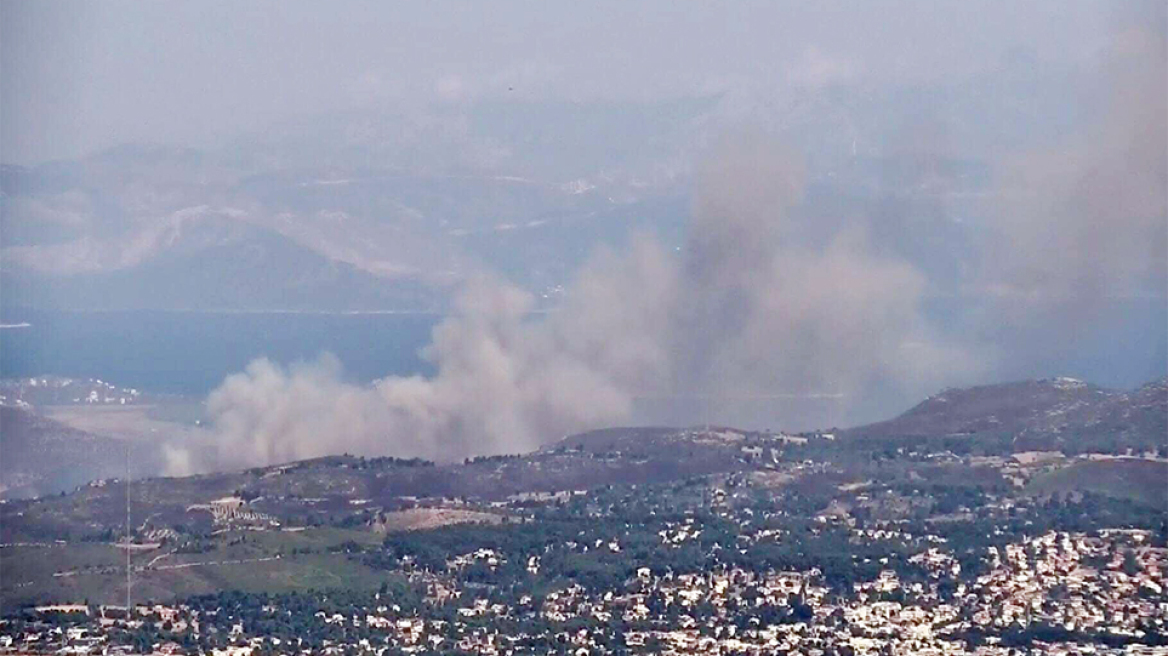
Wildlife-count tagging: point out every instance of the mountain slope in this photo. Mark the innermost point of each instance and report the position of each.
(1037, 415)
(1051, 413)
(43, 456)
(209, 261)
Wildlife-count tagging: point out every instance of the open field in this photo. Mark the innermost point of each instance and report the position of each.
(420, 519)
(274, 561)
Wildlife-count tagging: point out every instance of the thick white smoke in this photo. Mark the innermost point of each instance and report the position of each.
(745, 311)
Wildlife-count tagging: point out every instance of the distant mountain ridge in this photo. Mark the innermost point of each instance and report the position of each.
(1048, 413)
(389, 210)
(272, 224)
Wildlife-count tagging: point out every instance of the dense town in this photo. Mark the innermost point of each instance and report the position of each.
(709, 567)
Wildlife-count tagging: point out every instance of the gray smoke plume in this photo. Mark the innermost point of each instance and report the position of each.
(1076, 257)
(745, 311)
(1088, 218)
(750, 314)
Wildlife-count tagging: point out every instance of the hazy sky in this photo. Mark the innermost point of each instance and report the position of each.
(80, 76)
(999, 210)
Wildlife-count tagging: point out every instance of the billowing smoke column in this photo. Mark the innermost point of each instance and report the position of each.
(748, 310)
(763, 314)
(743, 311)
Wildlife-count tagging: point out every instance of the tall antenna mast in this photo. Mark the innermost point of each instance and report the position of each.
(128, 528)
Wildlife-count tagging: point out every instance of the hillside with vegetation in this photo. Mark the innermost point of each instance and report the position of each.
(636, 539)
(1054, 413)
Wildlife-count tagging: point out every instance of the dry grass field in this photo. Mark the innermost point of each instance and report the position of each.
(420, 519)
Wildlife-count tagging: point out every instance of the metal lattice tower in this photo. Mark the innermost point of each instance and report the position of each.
(128, 533)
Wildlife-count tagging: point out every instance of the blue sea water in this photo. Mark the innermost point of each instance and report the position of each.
(191, 352)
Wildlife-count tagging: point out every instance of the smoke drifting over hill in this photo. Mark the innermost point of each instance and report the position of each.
(749, 308)
(745, 310)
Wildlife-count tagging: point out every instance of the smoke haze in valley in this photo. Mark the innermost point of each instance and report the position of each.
(808, 216)
(744, 311)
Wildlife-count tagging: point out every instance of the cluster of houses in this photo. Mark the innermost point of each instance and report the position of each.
(1113, 584)
(1110, 585)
